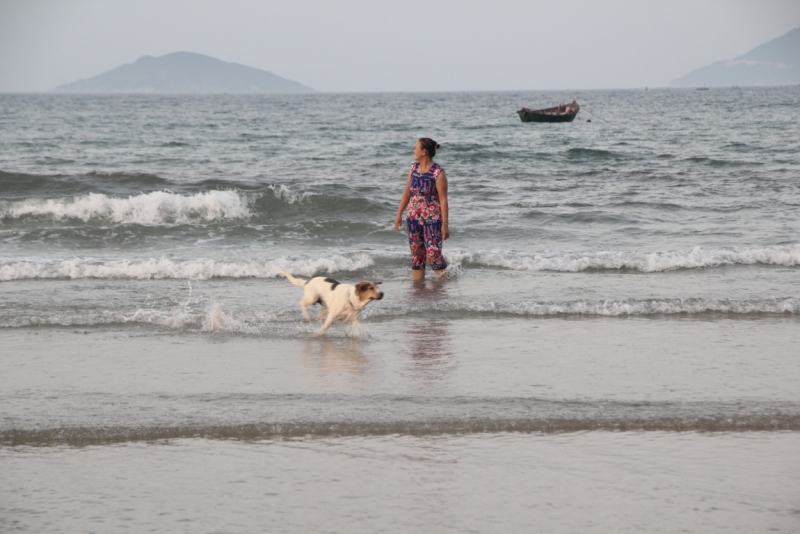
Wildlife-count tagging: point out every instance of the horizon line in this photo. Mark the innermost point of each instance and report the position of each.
(442, 91)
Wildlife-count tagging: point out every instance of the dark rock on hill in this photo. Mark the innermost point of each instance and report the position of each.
(776, 62)
(184, 72)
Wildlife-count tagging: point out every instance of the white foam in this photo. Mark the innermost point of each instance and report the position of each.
(165, 268)
(357, 330)
(696, 258)
(156, 208)
(192, 316)
(287, 195)
(217, 319)
(606, 308)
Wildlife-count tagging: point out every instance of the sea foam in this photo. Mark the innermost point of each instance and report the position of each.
(193, 315)
(165, 268)
(696, 258)
(287, 195)
(621, 308)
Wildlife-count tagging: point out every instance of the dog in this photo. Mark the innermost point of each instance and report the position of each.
(342, 302)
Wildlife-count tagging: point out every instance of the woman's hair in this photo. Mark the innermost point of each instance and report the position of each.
(429, 145)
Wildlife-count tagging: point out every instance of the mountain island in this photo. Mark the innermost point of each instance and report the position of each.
(776, 62)
(184, 72)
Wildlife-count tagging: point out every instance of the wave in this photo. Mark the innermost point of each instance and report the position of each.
(164, 268)
(712, 162)
(204, 269)
(650, 262)
(600, 308)
(32, 185)
(276, 202)
(184, 316)
(591, 154)
(380, 415)
(158, 207)
(195, 316)
(84, 436)
(290, 197)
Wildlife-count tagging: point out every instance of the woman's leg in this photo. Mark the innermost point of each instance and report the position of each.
(433, 248)
(416, 241)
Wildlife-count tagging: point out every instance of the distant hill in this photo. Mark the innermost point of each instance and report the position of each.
(184, 72)
(776, 62)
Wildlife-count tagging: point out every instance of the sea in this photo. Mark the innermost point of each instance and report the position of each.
(615, 348)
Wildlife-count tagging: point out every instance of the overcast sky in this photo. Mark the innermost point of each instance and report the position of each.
(388, 45)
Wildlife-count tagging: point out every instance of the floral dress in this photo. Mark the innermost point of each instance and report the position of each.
(424, 219)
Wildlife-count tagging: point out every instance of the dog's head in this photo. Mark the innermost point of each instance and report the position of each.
(368, 291)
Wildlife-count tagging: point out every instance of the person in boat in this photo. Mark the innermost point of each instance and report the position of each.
(425, 196)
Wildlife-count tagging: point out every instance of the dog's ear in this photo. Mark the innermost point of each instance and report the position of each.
(362, 286)
(377, 283)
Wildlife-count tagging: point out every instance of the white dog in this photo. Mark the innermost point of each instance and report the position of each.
(341, 302)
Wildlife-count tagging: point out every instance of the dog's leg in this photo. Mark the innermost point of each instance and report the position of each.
(310, 297)
(323, 313)
(328, 322)
(306, 315)
(308, 300)
(355, 326)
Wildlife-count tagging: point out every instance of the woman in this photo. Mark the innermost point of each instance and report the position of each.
(426, 198)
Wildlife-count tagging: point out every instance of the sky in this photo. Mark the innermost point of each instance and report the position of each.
(391, 45)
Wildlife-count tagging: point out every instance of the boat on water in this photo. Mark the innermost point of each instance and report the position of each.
(560, 113)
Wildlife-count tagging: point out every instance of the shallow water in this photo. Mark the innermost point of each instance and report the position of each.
(672, 202)
(413, 376)
(615, 349)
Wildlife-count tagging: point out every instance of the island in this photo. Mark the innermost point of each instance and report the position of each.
(184, 72)
(776, 62)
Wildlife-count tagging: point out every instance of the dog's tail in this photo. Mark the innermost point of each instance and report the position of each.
(296, 281)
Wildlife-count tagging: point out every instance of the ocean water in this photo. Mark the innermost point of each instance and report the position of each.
(615, 347)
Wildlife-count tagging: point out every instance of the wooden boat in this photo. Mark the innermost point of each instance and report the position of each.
(562, 113)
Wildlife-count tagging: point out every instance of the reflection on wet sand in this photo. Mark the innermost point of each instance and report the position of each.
(429, 340)
(335, 355)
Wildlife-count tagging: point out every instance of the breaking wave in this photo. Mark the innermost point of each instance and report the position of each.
(164, 268)
(696, 258)
(156, 208)
(204, 269)
(290, 197)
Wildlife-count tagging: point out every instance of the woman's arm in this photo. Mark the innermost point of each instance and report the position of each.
(441, 188)
(398, 219)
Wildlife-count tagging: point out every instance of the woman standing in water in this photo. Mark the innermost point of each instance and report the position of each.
(426, 198)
